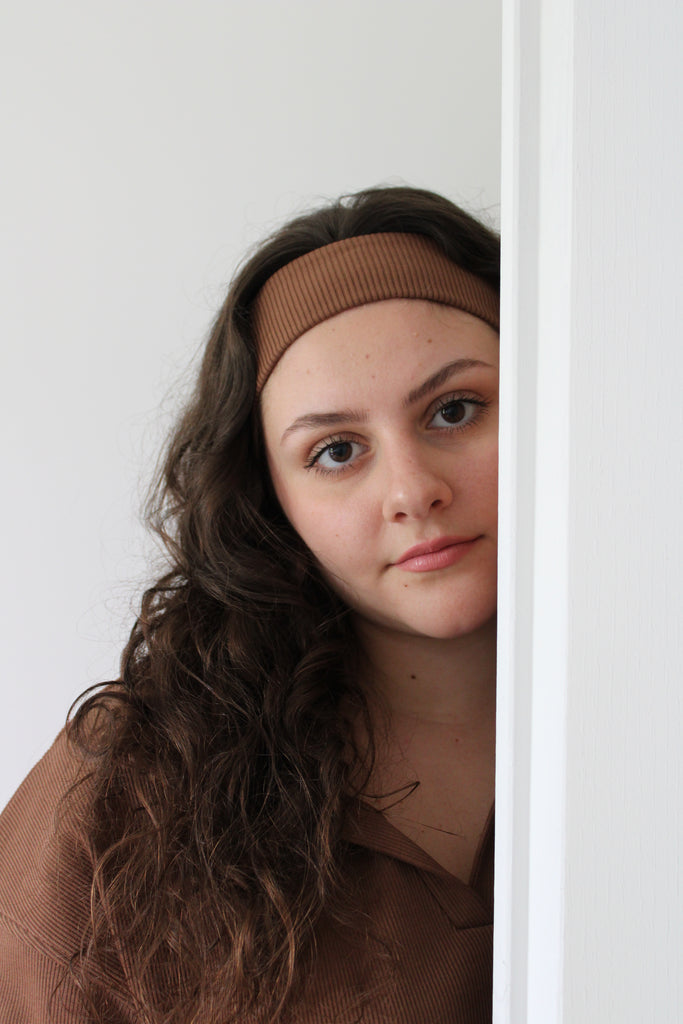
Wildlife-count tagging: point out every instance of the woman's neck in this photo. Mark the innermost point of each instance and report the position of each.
(433, 704)
(431, 682)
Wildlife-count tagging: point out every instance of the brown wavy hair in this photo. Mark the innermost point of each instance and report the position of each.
(224, 758)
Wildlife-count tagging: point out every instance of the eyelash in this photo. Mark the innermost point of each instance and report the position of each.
(320, 449)
(481, 406)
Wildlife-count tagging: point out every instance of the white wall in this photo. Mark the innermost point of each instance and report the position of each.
(589, 828)
(145, 145)
(624, 821)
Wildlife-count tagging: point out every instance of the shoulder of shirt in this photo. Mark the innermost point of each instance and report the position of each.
(44, 870)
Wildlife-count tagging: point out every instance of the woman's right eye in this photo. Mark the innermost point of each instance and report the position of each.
(334, 456)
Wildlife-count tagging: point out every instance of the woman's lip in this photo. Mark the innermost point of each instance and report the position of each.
(436, 554)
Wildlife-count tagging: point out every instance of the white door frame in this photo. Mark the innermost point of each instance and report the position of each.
(536, 169)
(589, 820)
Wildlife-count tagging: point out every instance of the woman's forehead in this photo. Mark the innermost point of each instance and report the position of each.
(395, 342)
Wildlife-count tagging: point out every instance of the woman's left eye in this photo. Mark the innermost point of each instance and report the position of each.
(456, 412)
(335, 455)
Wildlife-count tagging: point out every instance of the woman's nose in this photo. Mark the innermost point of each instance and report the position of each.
(414, 489)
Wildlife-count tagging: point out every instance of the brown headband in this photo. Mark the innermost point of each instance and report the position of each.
(353, 272)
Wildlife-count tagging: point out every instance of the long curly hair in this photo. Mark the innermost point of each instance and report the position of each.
(223, 760)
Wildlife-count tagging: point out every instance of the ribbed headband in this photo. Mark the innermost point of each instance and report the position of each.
(353, 272)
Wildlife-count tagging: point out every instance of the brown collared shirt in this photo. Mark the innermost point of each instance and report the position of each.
(420, 951)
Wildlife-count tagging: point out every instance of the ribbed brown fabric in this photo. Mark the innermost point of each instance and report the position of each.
(419, 952)
(353, 272)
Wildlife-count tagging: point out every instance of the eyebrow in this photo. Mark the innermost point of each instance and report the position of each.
(313, 420)
(440, 377)
(326, 419)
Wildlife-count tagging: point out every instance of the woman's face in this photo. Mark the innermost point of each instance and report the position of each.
(381, 430)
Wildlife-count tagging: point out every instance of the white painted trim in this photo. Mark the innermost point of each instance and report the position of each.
(551, 519)
(589, 891)
(536, 213)
(516, 537)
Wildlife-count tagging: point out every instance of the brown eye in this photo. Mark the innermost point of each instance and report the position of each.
(336, 456)
(340, 451)
(458, 412)
(454, 412)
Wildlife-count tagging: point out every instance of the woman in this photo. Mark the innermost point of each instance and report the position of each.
(282, 812)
